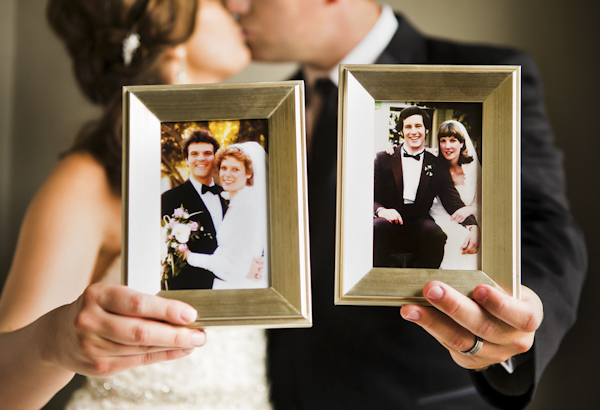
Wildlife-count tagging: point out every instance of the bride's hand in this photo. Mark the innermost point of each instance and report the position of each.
(256, 269)
(471, 243)
(186, 254)
(463, 213)
(112, 328)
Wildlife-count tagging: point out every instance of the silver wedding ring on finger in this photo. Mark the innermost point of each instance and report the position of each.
(475, 349)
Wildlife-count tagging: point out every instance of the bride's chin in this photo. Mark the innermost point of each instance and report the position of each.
(238, 61)
(236, 68)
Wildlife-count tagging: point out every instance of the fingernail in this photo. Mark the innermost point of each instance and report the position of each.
(189, 315)
(414, 316)
(198, 339)
(187, 351)
(435, 293)
(481, 294)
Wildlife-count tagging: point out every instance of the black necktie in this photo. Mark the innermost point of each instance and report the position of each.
(322, 169)
(213, 189)
(415, 157)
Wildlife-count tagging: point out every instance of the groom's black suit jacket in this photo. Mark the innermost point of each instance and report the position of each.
(435, 181)
(368, 357)
(186, 195)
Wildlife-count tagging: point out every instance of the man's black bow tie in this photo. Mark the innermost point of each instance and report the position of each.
(214, 189)
(416, 156)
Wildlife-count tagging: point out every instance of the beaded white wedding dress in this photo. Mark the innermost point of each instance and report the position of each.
(228, 373)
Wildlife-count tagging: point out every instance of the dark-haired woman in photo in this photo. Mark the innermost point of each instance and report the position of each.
(456, 147)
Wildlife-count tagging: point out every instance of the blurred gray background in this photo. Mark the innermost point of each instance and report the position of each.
(41, 111)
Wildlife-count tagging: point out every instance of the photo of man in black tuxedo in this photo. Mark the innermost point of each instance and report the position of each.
(406, 183)
(201, 198)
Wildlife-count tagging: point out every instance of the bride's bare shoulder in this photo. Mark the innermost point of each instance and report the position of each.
(78, 181)
(81, 173)
(81, 164)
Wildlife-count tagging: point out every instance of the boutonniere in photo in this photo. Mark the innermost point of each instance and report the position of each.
(429, 170)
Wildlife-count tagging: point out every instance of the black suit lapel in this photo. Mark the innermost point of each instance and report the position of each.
(407, 46)
(396, 165)
(425, 179)
(224, 204)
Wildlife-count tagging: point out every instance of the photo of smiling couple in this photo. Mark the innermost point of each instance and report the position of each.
(215, 223)
(426, 205)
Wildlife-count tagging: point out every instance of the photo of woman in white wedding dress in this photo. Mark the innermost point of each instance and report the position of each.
(242, 236)
(456, 147)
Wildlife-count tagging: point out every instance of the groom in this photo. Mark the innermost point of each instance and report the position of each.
(406, 182)
(199, 195)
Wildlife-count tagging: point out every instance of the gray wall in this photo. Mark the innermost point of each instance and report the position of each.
(7, 53)
(41, 110)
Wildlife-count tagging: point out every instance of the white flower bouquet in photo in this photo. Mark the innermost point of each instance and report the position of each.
(177, 231)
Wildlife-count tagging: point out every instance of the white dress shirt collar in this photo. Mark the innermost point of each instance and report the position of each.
(211, 201)
(411, 175)
(366, 52)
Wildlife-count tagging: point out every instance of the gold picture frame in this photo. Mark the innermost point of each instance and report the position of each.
(286, 302)
(496, 89)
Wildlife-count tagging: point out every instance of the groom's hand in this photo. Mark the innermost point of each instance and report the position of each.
(506, 325)
(390, 215)
(463, 213)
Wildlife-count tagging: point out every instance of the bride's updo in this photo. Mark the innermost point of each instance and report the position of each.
(95, 33)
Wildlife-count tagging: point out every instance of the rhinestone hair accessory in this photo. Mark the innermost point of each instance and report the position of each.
(130, 46)
(132, 41)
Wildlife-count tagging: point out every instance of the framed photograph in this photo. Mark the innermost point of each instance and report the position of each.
(428, 181)
(214, 200)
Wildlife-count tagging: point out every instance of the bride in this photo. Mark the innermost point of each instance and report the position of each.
(457, 148)
(242, 236)
(62, 311)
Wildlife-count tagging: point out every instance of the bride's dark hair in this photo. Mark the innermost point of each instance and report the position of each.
(450, 129)
(93, 32)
